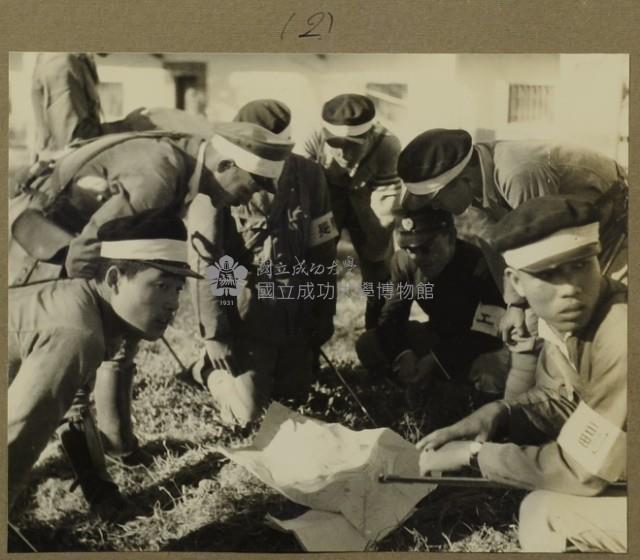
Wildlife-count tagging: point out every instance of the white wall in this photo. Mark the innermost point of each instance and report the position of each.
(145, 82)
(444, 90)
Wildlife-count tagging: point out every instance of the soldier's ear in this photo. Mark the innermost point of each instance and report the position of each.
(512, 275)
(112, 278)
(225, 165)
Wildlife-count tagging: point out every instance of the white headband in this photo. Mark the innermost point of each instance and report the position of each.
(145, 250)
(347, 130)
(247, 160)
(559, 243)
(435, 184)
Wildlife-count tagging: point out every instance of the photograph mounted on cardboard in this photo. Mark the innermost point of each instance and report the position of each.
(317, 302)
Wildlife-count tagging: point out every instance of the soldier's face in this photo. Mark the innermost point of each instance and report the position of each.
(434, 255)
(565, 296)
(147, 301)
(237, 184)
(455, 197)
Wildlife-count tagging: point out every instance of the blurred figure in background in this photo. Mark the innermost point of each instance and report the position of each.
(65, 99)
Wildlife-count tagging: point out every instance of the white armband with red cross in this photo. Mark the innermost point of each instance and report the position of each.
(323, 229)
(594, 442)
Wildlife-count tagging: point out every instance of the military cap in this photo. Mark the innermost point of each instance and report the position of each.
(252, 148)
(431, 160)
(348, 117)
(548, 231)
(271, 114)
(154, 237)
(417, 227)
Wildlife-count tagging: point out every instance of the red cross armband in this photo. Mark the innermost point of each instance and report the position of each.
(595, 443)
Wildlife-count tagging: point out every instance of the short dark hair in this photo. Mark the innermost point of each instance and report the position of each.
(128, 268)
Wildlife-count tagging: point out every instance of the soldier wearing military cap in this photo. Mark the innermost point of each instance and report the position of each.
(60, 331)
(58, 214)
(571, 426)
(464, 306)
(256, 349)
(360, 158)
(482, 182)
(446, 170)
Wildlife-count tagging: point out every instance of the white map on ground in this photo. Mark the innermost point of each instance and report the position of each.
(331, 468)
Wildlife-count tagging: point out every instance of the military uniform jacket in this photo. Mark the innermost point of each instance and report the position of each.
(130, 176)
(364, 197)
(295, 233)
(519, 170)
(516, 171)
(453, 310)
(58, 334)
(579, 402)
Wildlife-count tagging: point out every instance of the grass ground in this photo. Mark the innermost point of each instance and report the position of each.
(193, 499)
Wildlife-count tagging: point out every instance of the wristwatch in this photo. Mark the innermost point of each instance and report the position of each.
(474, 449)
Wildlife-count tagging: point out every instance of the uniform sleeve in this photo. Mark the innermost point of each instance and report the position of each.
(151, 183)
(537, 468)
(387, 154)
(313, 147)
(547, 404)
(487, 288)
(526, 182)
(392, 323)
(558, 466)
(321, 251)
(206, 245)
(60, 362)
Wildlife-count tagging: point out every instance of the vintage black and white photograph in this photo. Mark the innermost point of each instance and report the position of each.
(332, 302)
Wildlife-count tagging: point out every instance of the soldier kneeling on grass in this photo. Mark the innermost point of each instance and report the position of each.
(450, 281)
(60, 331)
(568, 431)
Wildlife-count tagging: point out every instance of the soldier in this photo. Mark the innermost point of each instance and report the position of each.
(66, 101)
(260, 346)
(569, 430)
(60, 331)
(451, 282)
(119, 175)
(360, 159)
(480, 183)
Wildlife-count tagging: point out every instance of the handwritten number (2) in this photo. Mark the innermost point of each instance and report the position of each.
(313, 22)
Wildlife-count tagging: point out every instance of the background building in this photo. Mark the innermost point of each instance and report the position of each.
(582, 99)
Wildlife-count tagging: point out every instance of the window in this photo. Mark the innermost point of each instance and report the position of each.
(530, 103)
